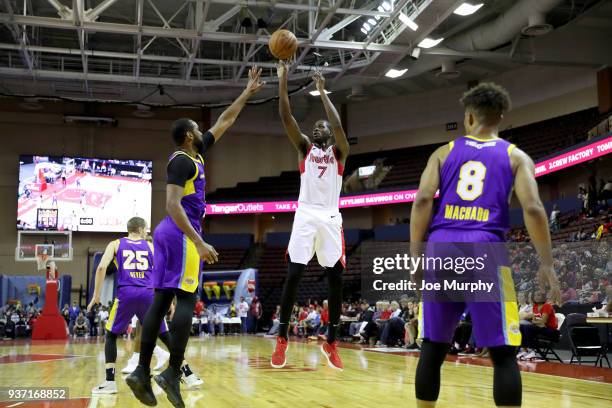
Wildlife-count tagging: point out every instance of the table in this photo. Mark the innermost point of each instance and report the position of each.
(602, 320)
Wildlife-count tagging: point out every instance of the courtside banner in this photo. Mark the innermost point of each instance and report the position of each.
(562, 161)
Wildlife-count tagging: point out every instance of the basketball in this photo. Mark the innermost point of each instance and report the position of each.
(283, 44)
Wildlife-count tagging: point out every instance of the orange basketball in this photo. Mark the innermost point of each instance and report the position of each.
(283, 44)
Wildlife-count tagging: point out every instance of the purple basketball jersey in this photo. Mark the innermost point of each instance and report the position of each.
(476, 183)
(194, 195)
(134, 263)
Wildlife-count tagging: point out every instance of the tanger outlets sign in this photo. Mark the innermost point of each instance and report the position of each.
(564, 160)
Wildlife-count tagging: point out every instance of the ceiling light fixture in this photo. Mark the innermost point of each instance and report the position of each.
(395, 73)
(317, 93)
(430, 42)
(466, 9)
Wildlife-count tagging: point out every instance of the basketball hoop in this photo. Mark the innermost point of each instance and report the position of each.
(41, 261)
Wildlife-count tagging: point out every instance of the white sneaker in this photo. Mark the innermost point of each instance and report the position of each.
(521, 355)
(530, 355)
(107, 387)
(162, 357)
(192, 381)
(131, 364)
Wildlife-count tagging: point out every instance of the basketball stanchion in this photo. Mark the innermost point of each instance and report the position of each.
(50, 325)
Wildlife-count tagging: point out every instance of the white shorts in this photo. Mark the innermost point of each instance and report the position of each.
(317, 231)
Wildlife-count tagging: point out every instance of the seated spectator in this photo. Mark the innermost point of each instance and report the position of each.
(461, 337)
(323, 327)
(356, 327)
(66, 313)
(543, 323)
(568, 294)
(275, 322)
(80, 327)
(215, 321)
(312, 321)
(393, 332)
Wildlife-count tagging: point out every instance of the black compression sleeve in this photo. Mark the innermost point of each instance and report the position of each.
(180, 169)
(209, 140)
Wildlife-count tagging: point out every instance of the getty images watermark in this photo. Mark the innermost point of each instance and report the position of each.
(447, 265)
(445, 272)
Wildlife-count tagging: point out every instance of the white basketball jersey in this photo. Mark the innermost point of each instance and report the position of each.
(321, 179)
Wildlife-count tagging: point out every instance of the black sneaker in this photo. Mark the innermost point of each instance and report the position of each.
(170, 381)
(140, 384)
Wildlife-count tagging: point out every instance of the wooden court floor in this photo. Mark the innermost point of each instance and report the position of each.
(236, 372)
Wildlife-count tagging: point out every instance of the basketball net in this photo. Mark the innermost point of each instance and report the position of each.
(41, 261)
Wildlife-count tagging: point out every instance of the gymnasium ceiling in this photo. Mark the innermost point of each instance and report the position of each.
(199, 51)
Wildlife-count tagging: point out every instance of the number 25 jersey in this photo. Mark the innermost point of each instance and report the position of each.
(134, 263)
(476, 183)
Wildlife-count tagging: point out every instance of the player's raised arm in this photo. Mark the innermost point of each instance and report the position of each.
(174, 194)
(333, 117)
(229, 116)
(536, 220)
(299, 140)
(422, 208)
(107, 258)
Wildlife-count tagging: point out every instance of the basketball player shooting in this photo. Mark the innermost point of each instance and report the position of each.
(317, 226)
(179, 248)
(476, 175)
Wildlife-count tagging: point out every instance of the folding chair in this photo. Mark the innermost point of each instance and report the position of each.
(584, 341)
(545, 343)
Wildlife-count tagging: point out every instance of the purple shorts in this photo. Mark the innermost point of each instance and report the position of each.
(176, 260)
(130, 301)
(494, 323)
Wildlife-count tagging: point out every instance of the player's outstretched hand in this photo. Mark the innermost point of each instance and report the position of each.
(549, 283)
(319, 80)
(207, 253)
(94, 301)
(255, 82)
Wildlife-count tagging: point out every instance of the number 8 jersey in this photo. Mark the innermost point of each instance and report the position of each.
(134, 261)
(476, 182)
(320, 179)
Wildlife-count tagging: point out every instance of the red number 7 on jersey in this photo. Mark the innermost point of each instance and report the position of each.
(323, 169)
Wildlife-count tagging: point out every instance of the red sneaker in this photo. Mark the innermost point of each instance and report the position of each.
(330, 351)
(279, 359)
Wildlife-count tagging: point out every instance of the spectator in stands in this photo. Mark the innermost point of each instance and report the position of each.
(73, 313)
(243, 312)
(462, 335)
(92, 316)
(393, 332)
(554, 219)
(592, 196)
(275, 322)
(66, 313)
(583, 196)
(543, 324)
(568, 294)
(256, 313)
(199, 307)
(605, 192)
(322, 332)
(102, 318)
(80, 326)
(355, 327)
(215, 320)
(312, 321)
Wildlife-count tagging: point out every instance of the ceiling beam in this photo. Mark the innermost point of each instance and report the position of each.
(130, 29)
(316, 34)
(94, 13)
(329, 32)
(20, 36)
(156, 58)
